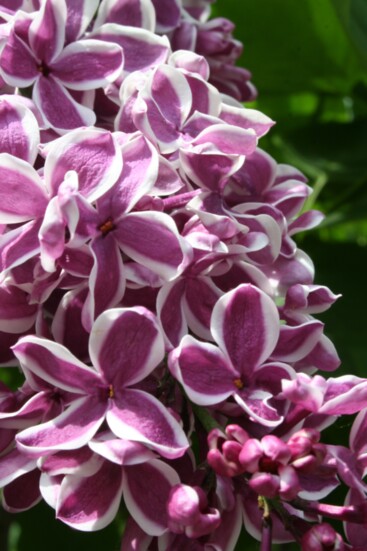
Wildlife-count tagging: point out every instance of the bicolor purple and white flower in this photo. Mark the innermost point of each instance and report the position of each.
(125, 346)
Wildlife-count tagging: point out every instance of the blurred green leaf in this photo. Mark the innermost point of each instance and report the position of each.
(295, 46)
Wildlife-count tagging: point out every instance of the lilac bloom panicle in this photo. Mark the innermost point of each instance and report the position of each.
(153, 294)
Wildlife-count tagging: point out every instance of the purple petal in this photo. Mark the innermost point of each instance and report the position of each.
(56, 365)
(246, 118)
(170, 311)
(204, 371)
(126, 345)
(19, 133)
(47, 30)
(106, 286)
(19, 245)
(79, 15)
(58, 107)
(151, 238)
(132, 13)
(14, 464)
(208, 167)
(168, 14)
(18, 66)
(89, 503)
(138, 416)
(139, 173)
(296, 342)
(16, 315)
(200, 298)
(67, 327)
(146, 490)
(92, 153)
(245, 324)
(70, 430)
(71, 462)
(231, 140)
(88, 64)
(22, 194)
(142, 49)
(23, 493)
(256, 404)
(121, 452)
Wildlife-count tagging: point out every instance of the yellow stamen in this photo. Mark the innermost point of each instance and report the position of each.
(238, 383)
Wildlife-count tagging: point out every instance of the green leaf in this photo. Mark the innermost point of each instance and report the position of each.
(295, 46)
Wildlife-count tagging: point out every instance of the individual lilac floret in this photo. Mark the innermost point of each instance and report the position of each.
(35, 54)
(188, 512)
(125, 346)
(245, 325)
(322, 537)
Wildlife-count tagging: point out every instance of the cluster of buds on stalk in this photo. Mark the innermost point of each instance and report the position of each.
(152, 295)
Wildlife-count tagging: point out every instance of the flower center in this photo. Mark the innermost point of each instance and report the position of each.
(42, 68)
(238, 383)
(111, 392)
(107, 226)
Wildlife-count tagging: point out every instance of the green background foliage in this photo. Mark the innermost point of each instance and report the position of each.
(309, 63)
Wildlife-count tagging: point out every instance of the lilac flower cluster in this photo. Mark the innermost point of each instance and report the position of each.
(152, 294)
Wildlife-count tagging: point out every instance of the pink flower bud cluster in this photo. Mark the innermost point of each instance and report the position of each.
(152, 294)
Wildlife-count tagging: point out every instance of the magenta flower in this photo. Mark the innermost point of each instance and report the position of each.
(35, 54)
(245, 325)
(125, 346)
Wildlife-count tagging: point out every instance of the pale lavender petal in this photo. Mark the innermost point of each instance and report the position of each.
(245, 324)
(106, 281)
(70, 430)
(204, 371)
(126, 345)
(142, 49)
(146, 490)
(88, 64)
(47, 30)
(16, 314)
(136, 415)
(89, 503)
(22, 194)
(151, 238)
(18, 66)
(58, 107)
(19, 132)
(92, 153)
(56, 365)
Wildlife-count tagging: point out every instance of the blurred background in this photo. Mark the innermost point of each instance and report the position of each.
(309, 64)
